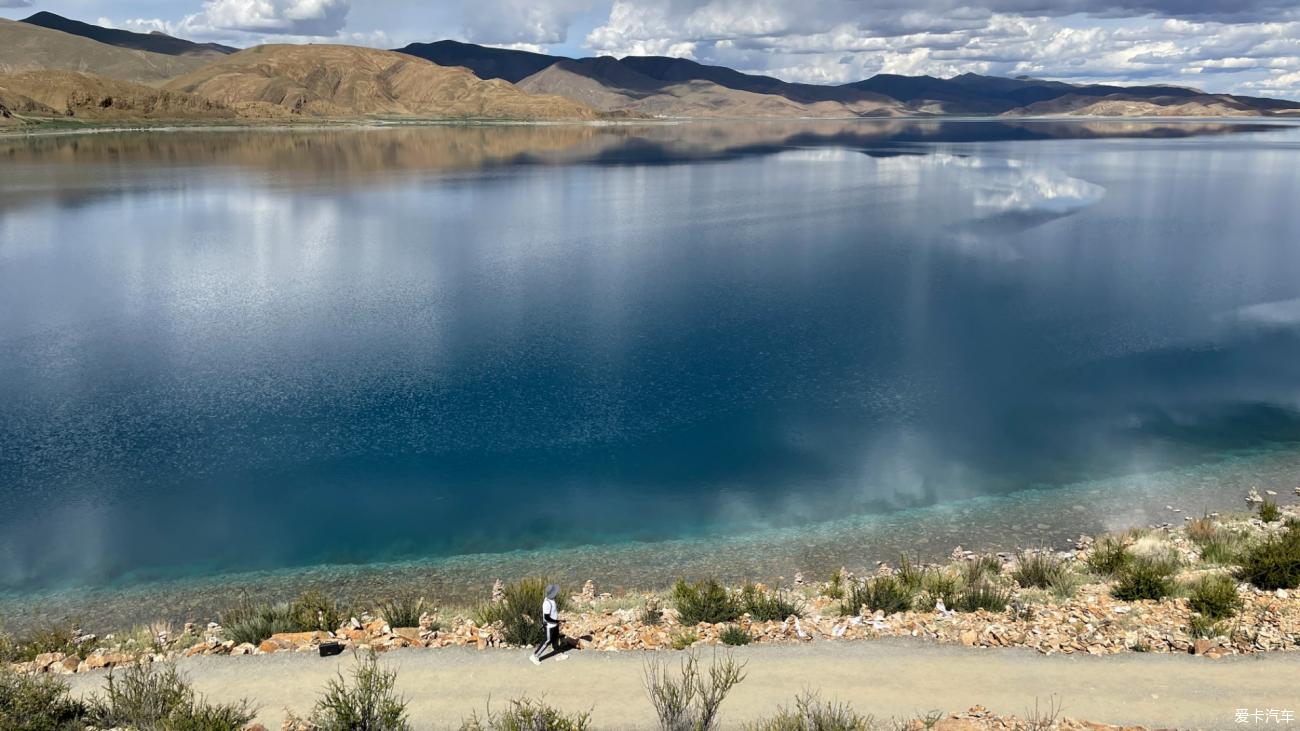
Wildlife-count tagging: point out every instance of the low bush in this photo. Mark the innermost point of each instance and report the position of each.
(1109, 556)
(1146, 577)
(37, 703)
(765, 606)
(810, 713)
(155, 697)
(912, 575)
(1269, 512)
(367, 703)
(526, 714)
(520, 611)
(735, 635)
(313, 611)
(1215, 596)
(705, 601)
(1065, 586)
(985, 595)
(55, 638)
(652, 612)
(940, 586)
(1038, 569)
(835, 589)
(1203, 627)
(406, 610)
(253, 623)
(980, 568)
(886, 594)
(1275, 562)
(1202, 529)
(684, 638)
(1224, 547)
(688, 700)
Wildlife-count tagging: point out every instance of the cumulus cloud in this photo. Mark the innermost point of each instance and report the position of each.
(534, 23)
(838, 41)
(15, 3)
(241, 19)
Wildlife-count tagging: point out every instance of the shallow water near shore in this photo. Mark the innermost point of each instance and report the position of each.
(365, 359)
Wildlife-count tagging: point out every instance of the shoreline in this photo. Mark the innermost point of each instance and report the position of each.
(1049, 601)
(986, 524)
(57, 127)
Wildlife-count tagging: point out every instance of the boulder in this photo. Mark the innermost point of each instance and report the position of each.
(410, 634)
(44, 660)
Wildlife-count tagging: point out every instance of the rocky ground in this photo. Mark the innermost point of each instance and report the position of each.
(1090, 621)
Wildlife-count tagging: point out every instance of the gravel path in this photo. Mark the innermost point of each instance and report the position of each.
(888, 678)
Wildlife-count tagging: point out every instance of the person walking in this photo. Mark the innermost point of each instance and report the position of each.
(551, 623)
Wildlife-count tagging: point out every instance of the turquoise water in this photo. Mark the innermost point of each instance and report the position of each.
(358, 357)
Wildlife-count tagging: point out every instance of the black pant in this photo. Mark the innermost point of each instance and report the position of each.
(552, 639)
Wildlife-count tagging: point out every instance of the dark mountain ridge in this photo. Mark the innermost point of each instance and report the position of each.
(154, 42)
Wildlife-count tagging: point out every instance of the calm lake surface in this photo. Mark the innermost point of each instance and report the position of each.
(357, 357)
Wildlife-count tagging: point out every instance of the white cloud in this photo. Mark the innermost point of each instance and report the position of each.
(532, 22)
(257, 20)
(15, 3)
(839, 41)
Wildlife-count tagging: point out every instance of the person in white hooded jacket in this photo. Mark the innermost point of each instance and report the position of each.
(551, 622)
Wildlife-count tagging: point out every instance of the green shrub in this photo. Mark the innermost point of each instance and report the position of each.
(940, 586)
(526, 714)
(684, 638)
(37, 703)
(315, 612)
(764, 606)
(688, 700)
(1202, 529)
(1203, 627)
(886, 594)
(1065, 586)
(652, 613)
(55, 638)
(985, 595)
(1146, 577)
(980, 568)
(406, 610)
(912, 575)
(253, 623)
(1109, 556)
(1269, 512)
(1214, 596)
(835, 589)
(368, 703)
(1275, 562)
(520, 611)
(1038, 570)
(810, 713)
(147, 697)
(735, 635)
(705, 601)
(1223, 548)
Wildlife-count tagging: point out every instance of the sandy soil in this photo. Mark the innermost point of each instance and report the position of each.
(886, 678)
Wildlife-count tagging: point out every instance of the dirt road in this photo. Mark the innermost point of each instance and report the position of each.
(885, 678)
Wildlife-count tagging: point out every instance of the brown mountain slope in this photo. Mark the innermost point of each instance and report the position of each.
(26, 47)
(608, 85)
(1124, 105)
(349, 81)
(54, 93)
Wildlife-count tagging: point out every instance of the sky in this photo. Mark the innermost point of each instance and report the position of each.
(1222, 46)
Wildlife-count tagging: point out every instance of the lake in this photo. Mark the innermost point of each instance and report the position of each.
(440, 354)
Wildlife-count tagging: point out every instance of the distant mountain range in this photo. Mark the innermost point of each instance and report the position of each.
(669, 86)
(449, 79)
